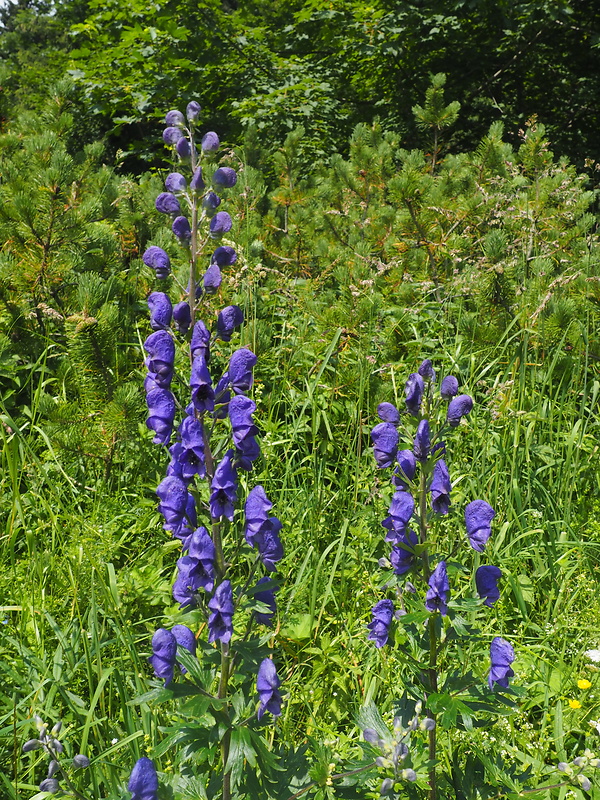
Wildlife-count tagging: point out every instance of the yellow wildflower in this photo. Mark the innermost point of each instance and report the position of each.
(583, 684)
(574, 703)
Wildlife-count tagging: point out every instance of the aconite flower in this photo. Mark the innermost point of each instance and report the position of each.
(224, 256)
(171, 135)
(413, 390)
(175, 182)
(440, 488)
(436, 598)
(181, 229)
(156, 258)
(183, 148)
(161, 413)
(267, 686)
(203, 396)
(388, 413)
(228, 320)
(210, 142)
(225, 177)
(182, 317)
(167, 203)
(220, 224)
(220, 621)
(422, 441)
(161, 310)
(193, 110)
(403, 552)
(197, 184)
(486, 581)
(400, 511)
(164, 651)
(405, 470)
(458, 408)
(449, 387)
(240, 368)
(200, 341)
(426, 370)
(478, 521)
(379, 628)
(267, 598)
(143, 781)
(223, 488)
(212, 279)
(501, 657)
(174, 118)
(385, 444)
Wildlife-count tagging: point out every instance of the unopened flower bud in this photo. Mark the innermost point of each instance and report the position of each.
(80, 761)
(408, 775)
(53, 768)
(175, 182)
(387, 784)
(50, 785)
(174, 118)
(56, 728)
(580, 761)
(172, 135)
(193, 110)
(210, 142)
(382, 762)
(225, 177)
(562, 766)
(39, 722)
(427, 724)
(57, 746)
(32, 744)
(584, 782)
(418, 707)
(183, 148)
(371, 736)
(197, 184)
(595, 762)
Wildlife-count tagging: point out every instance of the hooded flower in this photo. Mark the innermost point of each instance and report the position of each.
(220, 224)
(240, 369)
(210, 203)
(224, 256)
(413, 390)
(143, 781)
(402, 555)
(189, 452)
(379, 628)
(193, 574)
(172, 493)
(385, 444)
(181, 229)
(400, 511)
(172, 134)
(193, 110)
(478, 520)
(223, 489)
(486, 581)
(501, 657)
(449, 387)
(174, 118)
(261, 530)
(405, 471)
(426, 370)
(212, 279)
(210, 142)
(167, 203)
(182, 316)
(203, 396)
(175, 182)
(164, 651)
(161, 357)
(200, 341)
(184, 638)
(458, 408)
(267, 686)
(267, 598)
(440, 488)
(388, 413)
(436, 598)
(220, 621)
(183, 148)
(156, 258)
(422, 442)
(161, 413)
(269, 544)
(161, 310)
(225, 177)
(222, 397)
(228, 320)
(197, 184)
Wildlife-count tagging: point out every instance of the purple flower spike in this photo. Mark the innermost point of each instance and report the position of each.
(422, 442)
(385, 444)
(267, 597)
(400, 511)
(240, 369)
(197, 184)
(167, 203)
(183, 148)
(440, 488)
(172, 135)
(181, 229)
(182, 317)
(220, 621)
(405, 471)
(501, 657)
(220, 224)
(228, 320)
(436, 598)
(200, 342)
(486, 581)
(143, 781)
(212, 279)
(402, 555)
(203, 396)
(161, 413)
(223, 489)
(478, 519)
(211, 202)
(379, 628)
(426, 370)
(267, 686)
(156, 258)
(193, 110)
(164, 650)
(210, 142)
(224, 256)
(174, 118)
(388, 413)
(225, 177)
(175, 182)
(458, 408)
(161, 310)
(184, 638)
(413, 390)
(449, 387)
